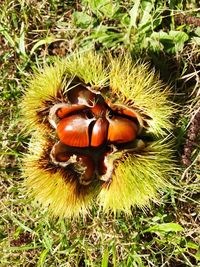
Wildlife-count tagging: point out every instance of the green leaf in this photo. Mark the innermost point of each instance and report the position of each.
(134, 14)
(104, 262)
(155, 45)
(114, 256)
(47, 40)
(43, 256)
(164, 227)
(7, 36)
(104, 35)
(103, 8)
(48, 241)
(17, 232)
(179, 38)
(82, 20)
(26, 228)
(147, 8)
(173, 41)
(167, 42)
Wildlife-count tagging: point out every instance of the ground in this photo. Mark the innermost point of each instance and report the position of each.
(164, 33)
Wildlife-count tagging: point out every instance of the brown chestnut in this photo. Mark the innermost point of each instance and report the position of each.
(81, 96)
(121, 130)
(73, 130)
(66, 110)
(61, 152)
(99, 132)
(98, 110)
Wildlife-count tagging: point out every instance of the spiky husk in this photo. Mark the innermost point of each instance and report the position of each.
(137, 177)
(53, 187)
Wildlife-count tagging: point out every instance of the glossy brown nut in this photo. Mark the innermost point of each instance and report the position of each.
(121, 130)
(87, 163)
(66, 110)
(128, 112)
(99, 110)
(73, 130)
(61, 153)
(81, 96)
(99, 132)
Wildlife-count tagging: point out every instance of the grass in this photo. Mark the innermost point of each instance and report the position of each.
(31, 34)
